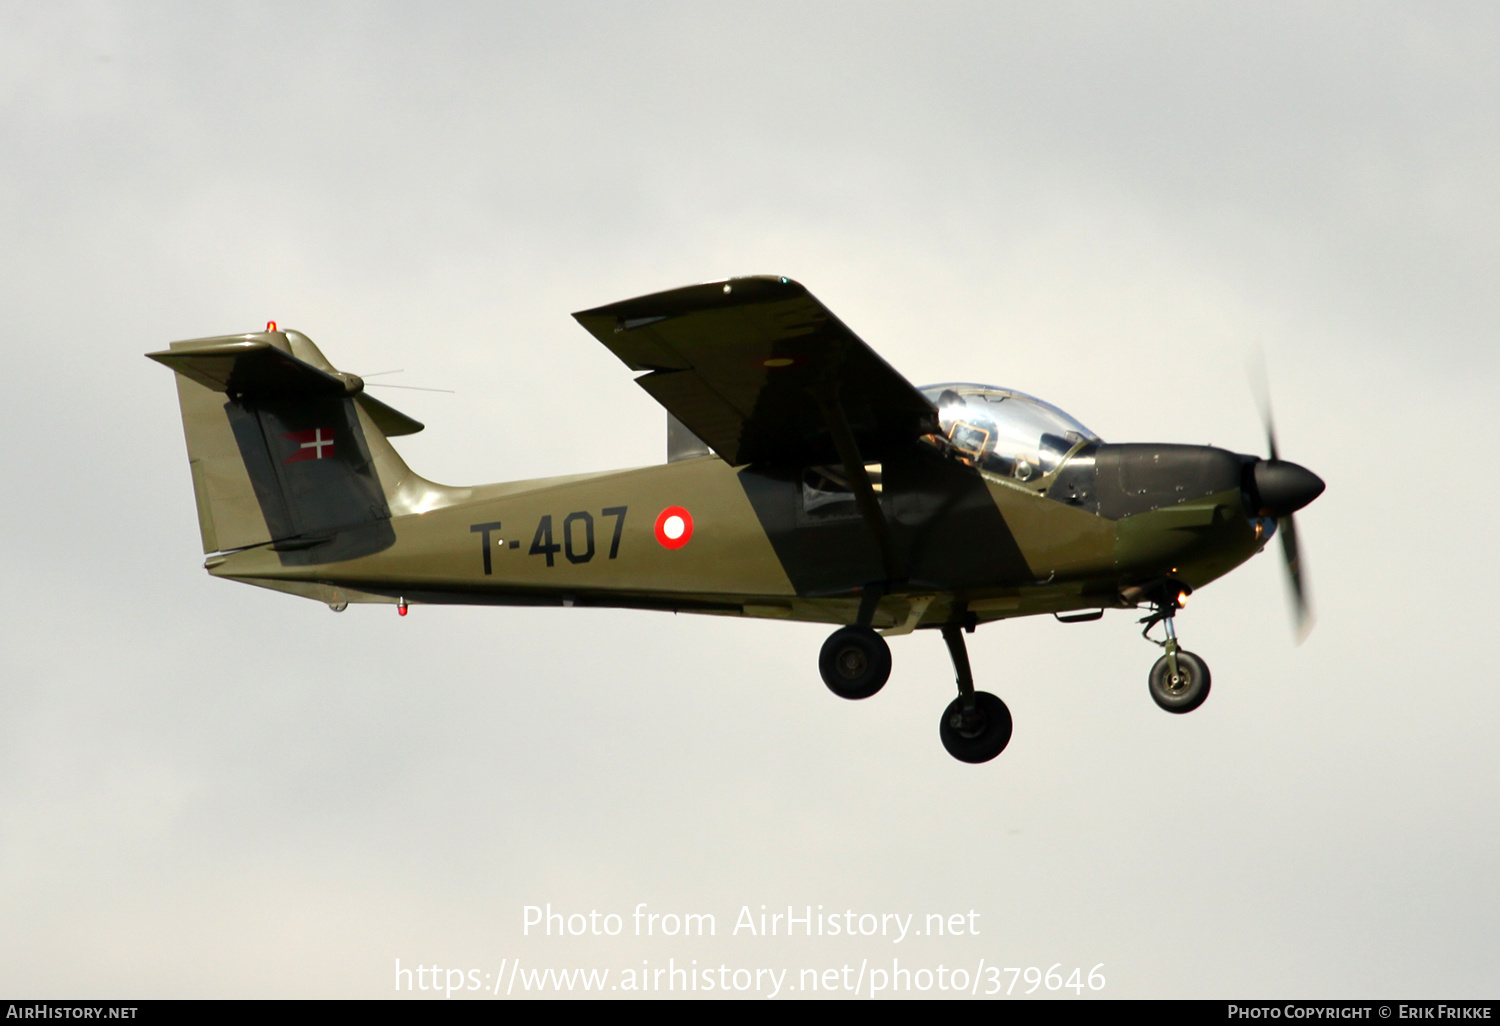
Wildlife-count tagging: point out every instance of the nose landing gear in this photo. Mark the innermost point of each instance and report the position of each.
(1179, 682)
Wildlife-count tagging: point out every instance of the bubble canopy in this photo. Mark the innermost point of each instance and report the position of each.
(1004, 431)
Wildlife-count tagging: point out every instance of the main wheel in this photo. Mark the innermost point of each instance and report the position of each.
(984, 736)
(855, 662)
(1187, 690)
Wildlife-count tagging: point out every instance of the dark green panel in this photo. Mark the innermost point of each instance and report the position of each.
(822, 555)
(947, 524)
(321, 499)
(944, 525)
(1137, 478)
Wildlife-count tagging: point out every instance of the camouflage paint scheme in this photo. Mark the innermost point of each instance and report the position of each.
(298, 488)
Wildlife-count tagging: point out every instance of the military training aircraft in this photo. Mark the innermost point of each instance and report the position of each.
(805, 480)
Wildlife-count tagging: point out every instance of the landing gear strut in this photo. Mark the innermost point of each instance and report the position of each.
(976, 726)
(1179, 681)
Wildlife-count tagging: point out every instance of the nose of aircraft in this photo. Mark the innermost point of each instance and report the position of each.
(1282, 488)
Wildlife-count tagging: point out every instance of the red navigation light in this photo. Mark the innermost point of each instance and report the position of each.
(270, 325)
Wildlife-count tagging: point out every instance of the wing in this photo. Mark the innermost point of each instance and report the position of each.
(750, 364)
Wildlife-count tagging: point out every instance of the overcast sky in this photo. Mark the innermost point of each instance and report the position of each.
(208, 789)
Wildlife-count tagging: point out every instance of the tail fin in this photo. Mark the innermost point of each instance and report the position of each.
(287, 450)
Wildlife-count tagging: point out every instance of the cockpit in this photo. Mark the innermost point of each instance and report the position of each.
(1005, 432)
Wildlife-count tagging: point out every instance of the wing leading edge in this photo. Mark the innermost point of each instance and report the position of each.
(751, 366)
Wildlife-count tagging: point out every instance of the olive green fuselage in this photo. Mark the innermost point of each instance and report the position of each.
(753, 541)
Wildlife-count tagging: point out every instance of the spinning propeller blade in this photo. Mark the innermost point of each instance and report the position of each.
(1302, 614)
(1284, 486)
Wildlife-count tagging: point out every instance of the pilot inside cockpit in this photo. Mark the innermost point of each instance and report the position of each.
(1005, 432)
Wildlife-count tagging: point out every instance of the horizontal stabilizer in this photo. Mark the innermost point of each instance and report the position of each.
(261, 366)
(253, 367)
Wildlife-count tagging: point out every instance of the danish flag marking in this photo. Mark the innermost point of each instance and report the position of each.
(311, 445)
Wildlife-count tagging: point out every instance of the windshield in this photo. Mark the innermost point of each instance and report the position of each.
(1004, 431)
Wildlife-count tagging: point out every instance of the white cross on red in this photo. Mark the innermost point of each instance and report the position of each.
(317, 443)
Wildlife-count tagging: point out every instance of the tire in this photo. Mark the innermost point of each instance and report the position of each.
(1185, 695)
(985, 739)
(855, 662)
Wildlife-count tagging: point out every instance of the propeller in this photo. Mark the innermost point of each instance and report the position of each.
(1279, 488)
(1291, 551)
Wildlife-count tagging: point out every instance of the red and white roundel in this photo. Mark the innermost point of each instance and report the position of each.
(674, 527)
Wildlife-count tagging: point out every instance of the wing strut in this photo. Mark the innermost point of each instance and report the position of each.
(864, 497)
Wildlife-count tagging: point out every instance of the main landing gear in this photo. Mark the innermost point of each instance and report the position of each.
(1179, 681)
(855, 662)
(976, 726)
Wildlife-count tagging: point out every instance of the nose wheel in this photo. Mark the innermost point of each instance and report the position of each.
(1179, 681)
(1181, 690)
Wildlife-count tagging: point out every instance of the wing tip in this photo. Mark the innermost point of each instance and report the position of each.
(762, 287)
